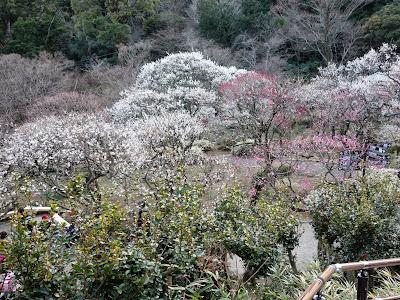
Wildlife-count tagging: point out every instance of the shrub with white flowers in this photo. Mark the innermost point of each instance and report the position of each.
(168, 140)
(389, 132)
(139, 103)
(171, 131)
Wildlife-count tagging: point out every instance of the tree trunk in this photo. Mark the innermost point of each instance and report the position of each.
(9, 33)
(292, 262)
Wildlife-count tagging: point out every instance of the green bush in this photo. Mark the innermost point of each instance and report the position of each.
(259, 233)
(34, 35)
(358, 218)
(179, 251)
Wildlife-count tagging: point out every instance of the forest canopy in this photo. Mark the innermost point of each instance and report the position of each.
(266, 35)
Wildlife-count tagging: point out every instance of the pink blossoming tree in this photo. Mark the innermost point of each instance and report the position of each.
(257, 103)
(303, 157)
(355, 97)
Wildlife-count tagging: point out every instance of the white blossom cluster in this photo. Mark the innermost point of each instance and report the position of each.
(184, 70)
(389, 132)
(168, 140)
(386, 173)
(363, 75)
(149, 128)
(384, 60)
(139, 103)
(182, 81)
(175, 131)
(61, 145)
(53, 148)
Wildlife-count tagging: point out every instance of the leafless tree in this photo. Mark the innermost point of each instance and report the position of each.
(222, 56)
(106, 81)
(274, 60)
(323, 26)
(247, 48)
(24, 81)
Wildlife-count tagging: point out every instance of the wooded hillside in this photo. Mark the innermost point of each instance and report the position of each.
(269, 35)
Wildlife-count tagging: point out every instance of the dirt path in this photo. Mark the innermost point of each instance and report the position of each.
(306, 252)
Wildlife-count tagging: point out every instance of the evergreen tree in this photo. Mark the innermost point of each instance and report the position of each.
(384, 26)
(217, 20)
(32, 26)
(97, 30)
(223, 21)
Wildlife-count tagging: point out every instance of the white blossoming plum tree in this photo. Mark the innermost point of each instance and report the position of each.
(184, 70)
(171, 131)
(139, 103)
(168, 140)
(54, 148)
(389, 132)
(179, 81)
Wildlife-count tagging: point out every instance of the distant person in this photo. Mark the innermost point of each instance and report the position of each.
(20, 212)
(45, 224)
(72, 231)
(69, 218)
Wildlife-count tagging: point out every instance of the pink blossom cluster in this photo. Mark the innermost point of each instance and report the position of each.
(305, 156)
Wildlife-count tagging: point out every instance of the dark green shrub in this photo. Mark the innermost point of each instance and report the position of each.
(358, 218)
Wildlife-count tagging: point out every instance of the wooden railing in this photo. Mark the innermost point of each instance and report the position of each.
(362, 289)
